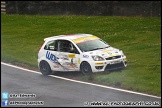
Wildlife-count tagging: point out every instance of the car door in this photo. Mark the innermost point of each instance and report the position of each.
(52, 55)
(69, 56)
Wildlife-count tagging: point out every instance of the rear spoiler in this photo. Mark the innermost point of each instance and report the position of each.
(48, 38)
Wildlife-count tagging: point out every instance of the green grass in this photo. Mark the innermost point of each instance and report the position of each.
(138, 37)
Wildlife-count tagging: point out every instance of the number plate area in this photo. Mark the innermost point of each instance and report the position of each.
(115, 62)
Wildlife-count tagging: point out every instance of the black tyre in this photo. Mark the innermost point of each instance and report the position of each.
(45, 68)
(85, 68)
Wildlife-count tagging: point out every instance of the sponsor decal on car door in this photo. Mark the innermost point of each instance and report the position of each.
(53, 57)
(69, 61)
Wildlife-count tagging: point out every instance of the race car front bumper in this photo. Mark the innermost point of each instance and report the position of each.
(108, 65)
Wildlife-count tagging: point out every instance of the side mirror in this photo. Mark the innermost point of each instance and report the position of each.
(51, 47)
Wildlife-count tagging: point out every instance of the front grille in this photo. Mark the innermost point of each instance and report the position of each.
(98, 67)
(114, 57)
(114, 66)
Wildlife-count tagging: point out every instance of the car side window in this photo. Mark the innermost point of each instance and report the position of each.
(67, 46)
(51, 45)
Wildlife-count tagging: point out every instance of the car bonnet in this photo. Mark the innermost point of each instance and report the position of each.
(105, 53)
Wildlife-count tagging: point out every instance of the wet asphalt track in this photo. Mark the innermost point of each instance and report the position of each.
(55, 92)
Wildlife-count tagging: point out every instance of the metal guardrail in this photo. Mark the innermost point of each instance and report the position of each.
(3, 6)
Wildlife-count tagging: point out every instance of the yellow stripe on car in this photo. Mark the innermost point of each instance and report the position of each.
(99, 63)
(82, 39)
(104, 51)
(78, 61)
(71, 55)
(111, 55)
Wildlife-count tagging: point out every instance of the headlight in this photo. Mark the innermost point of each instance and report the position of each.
(97, 58)
(122, 54)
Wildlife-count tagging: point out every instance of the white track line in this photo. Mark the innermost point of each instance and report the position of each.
(82, 81)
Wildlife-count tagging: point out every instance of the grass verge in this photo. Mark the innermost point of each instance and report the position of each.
(138, 37)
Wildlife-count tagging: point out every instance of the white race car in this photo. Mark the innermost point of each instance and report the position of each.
(78, 52)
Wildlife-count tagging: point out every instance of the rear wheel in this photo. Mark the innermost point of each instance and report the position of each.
(45, 68)
(85, 68)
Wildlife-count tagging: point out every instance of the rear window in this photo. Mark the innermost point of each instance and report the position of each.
(51, 45)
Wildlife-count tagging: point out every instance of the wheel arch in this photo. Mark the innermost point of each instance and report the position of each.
(44, 59)
(45, 67)
(82, 62)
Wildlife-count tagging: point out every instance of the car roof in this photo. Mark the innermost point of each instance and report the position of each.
(67, 37)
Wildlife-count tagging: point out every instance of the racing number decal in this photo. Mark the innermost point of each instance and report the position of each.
(72, 61)
(71, 56)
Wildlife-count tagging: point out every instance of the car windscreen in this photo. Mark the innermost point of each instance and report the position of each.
(92, 45)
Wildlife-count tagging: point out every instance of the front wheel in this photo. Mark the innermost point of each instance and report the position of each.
(45, 68)
(85, 68)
